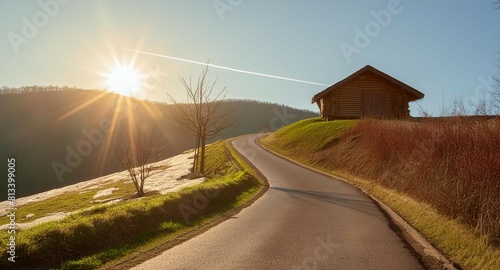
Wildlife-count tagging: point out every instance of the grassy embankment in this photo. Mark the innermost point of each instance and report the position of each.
(441, 176)
(92, 238)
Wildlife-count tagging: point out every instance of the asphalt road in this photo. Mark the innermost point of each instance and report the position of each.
(304, 221)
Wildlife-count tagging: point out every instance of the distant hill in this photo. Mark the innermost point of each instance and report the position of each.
(65, 131)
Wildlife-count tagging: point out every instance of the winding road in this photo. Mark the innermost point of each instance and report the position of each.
(305, 220)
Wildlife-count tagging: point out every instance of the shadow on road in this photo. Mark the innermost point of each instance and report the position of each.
(347, 200)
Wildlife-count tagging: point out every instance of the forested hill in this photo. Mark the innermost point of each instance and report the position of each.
(43, 129)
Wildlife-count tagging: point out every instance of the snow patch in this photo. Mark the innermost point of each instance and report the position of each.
(50, 217)
(171, 179)
(106, 192)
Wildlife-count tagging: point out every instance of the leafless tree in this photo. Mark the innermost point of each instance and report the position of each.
(139, 154)
(457, 107)
(496, 88)
(423, 112)
(204, 115)
(481, 107)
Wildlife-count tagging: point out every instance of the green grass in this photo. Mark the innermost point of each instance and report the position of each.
(69, 202)
(322, 145)
(91, 238)
(228, 198)
(304, 139)
(217, 162)
(310, 134)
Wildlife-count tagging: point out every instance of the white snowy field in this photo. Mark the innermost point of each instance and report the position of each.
(169, 179)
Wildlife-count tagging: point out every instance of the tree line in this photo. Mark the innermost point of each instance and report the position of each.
(5, 90)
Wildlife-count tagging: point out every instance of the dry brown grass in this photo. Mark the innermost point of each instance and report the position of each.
(440, 174)
(452, 164)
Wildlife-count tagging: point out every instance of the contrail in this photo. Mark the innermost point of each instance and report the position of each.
(227, 68)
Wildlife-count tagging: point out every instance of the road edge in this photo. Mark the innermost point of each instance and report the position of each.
(158, 250)
(432, 257)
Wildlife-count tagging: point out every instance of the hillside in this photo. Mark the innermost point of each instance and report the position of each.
(92, 223)
(451, 165)
(45, 130)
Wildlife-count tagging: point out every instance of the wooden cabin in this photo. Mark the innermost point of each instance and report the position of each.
(366, 93)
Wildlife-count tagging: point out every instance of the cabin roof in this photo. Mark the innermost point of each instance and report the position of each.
(414, 93)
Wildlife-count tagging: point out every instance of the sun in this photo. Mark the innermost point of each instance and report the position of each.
(124, 80)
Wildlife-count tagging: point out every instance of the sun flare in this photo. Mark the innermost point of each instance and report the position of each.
(124, 80)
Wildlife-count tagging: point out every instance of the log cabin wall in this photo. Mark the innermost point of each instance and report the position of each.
(350, 100)
(366, 93)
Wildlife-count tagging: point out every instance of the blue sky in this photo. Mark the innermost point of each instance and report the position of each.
(442, 48)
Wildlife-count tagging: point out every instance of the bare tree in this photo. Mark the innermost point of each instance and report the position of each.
(457, 107)
(481, 107)
(496, 88)
(423, 112)
(204, 115)
(138, 156)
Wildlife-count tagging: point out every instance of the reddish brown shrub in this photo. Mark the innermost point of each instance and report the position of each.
(451, 163)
